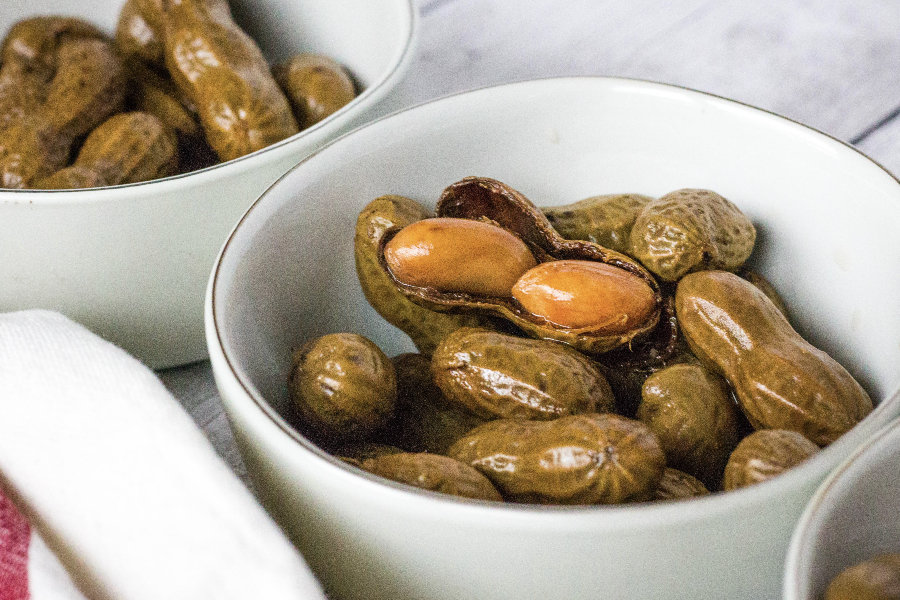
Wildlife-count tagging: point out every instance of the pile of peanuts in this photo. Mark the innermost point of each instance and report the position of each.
(556, 370)
(180, 87)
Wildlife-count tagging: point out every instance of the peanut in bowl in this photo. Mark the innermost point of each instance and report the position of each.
(287, 275)
(131, 261)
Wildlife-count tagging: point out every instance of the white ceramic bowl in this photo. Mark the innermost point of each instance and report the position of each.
(131, 262)
(854, 516)
(827, 218)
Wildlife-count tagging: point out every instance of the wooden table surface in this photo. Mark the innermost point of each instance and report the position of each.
(832, 64)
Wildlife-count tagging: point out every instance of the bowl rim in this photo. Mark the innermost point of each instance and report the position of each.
(636, 516)
(796, 562)
(398, 63)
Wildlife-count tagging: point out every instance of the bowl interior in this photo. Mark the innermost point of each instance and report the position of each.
(852, 518)
(827, 216)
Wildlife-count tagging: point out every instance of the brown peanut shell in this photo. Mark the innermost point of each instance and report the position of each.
(580, 459)
(678, 485)
(690, 230)
(316, 86)
(433, 472)
(425, 327)
(781, 381)
(222, 71)
(130, 147)
(496, 375)
(691, 411)
(606, 220)
(481, 198)
(765, 454)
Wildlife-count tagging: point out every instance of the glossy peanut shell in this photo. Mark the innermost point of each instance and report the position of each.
(342, 387)
(481, 198)
(433, 472)
(765, 454)
(781, 381)
(580, 459)
(496, 375)
(604, 220)
(425, 327)
(690, 230)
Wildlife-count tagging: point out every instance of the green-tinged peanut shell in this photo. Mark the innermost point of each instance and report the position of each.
(342, 386)
(158, 96)
(222, 71)
(875, 579)
(604, 220)
(86, 88)
(766, 287)
(691, 230)
(433, 472)
(33, 43)
(315, 85)
(691, 412)
(355, 454)
(130, 147)
(781, 381)
(425, 327)
(491, 201)
(21, 94)
(139, 31)
(495, 375)
(678, 485)
(425, 421)
(89, 86)
(70, 178)
(580, 459)
(765, 454)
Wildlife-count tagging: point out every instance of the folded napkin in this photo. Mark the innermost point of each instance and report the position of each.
(120, 483)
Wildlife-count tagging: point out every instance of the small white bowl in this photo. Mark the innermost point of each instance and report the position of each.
(854, 516)
(827, 218)
(131, 262)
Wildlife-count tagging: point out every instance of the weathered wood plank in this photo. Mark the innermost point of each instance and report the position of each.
(829, 63)
(466, 44)
(883, 145)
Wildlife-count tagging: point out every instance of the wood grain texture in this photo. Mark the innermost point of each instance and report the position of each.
(832, 64)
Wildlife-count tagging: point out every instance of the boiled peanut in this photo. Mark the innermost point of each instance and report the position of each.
(766, 287)
(433, 472)
(678, 485)
(315, 85)
(579, 459)
(691, 230)
(33, 43)
(355, 454)
(781, 381)
(87, 87)
(691, 412)
(128, 148)
(492, 374)
(765, 454)
(606, 220)
(70, 178)
(458, 255)
(425, 420)
(875, 579)
(342, 386)
(223, 72)
(580, 294)
(379, 218)
(139, 31)
(486, 200)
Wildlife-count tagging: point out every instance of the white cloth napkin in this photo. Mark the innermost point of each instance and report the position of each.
(121, 484)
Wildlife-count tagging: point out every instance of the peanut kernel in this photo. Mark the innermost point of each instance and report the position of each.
(582, 294)
(458, 255)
